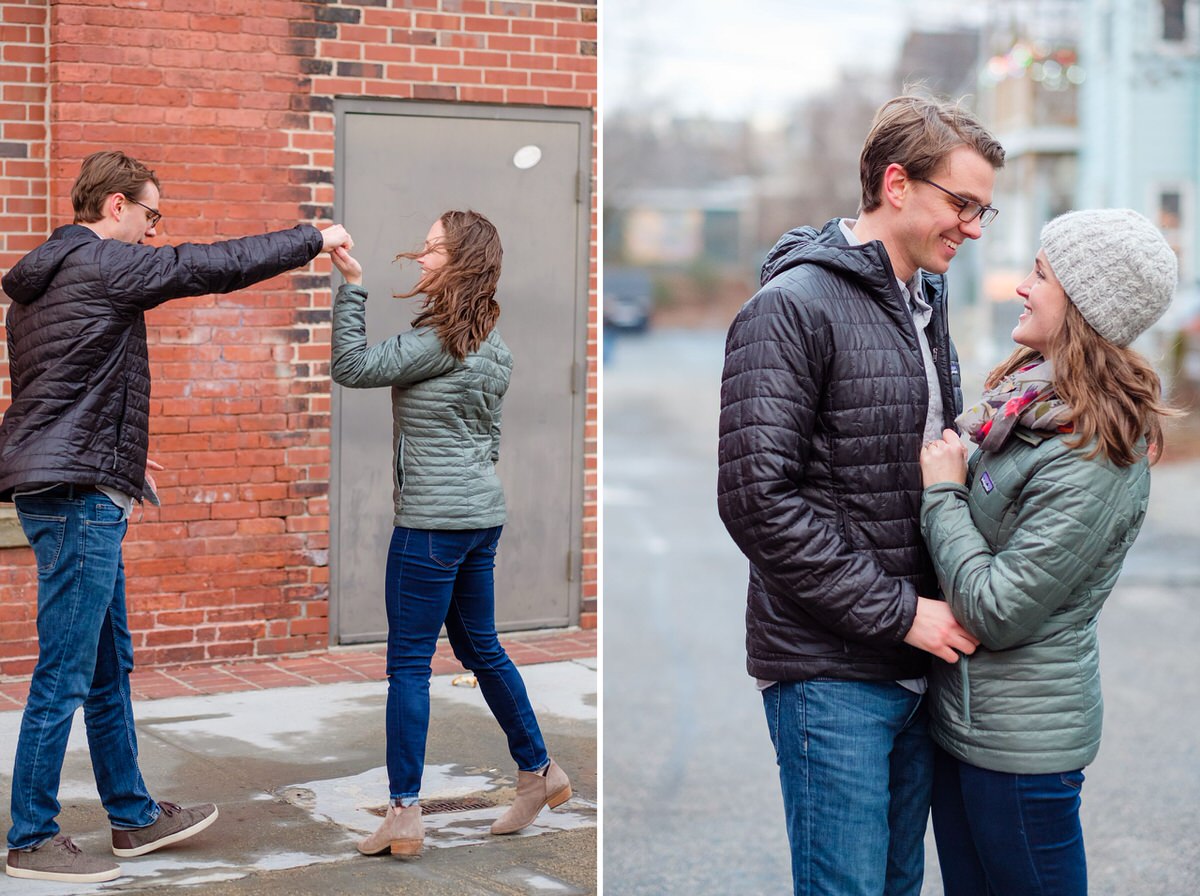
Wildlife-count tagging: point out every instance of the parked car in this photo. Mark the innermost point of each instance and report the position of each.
(627, 299)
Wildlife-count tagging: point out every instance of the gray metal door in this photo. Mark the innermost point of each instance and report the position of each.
(399, 166)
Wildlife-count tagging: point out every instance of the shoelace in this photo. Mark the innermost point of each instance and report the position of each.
(170, 808)
(68, 844)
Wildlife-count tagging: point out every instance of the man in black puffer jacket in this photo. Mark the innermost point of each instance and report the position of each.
(835, 372)
(73, 448)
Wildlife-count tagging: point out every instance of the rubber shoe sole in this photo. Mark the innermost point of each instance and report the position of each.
(168, 840)
(63, 876)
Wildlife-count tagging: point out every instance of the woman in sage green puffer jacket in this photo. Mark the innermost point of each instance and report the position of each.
(448, 376)
(1028, 543)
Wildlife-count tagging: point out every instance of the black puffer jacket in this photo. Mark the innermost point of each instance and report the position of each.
(823, 404)
(77, 345)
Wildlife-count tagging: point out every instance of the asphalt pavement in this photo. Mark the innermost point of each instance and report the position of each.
(297, 775)
(691, 794)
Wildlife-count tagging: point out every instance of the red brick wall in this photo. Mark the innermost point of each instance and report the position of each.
(231, 102)
(24, 152)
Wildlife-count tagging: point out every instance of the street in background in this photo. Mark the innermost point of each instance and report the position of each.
(691, 795)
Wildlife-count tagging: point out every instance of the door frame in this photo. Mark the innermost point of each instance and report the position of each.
(583, 311)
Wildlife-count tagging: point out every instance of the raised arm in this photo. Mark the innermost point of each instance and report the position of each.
(143, 277)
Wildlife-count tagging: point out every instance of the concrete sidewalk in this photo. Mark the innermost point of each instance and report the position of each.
(292, 752)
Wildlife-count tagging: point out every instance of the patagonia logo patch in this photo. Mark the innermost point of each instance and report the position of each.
(986, 481)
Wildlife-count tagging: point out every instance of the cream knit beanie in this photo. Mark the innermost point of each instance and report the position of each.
(1115, 267)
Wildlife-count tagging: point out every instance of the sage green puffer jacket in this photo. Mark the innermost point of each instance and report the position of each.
(1026, 558)
(445, 417)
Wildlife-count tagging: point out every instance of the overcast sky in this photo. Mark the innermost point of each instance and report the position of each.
(746, 58)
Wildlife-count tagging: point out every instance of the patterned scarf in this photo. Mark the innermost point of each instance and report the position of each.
(1026, 398)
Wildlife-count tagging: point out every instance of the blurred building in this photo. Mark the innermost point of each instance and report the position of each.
(1097, 103)
(677, 225)
(679, 212)
(1028, 94)
(942, 62)
(677, 190)
(1140, 124)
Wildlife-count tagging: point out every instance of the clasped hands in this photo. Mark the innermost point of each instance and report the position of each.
(338, 244)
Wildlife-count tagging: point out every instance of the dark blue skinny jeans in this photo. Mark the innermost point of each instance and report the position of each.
(437, 577)
(1002, 834)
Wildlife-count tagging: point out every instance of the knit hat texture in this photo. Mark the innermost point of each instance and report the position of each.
(1115, 267)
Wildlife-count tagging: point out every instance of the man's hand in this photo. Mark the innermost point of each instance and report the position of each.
(347, 265)
(151, 490)
(944, 460)
(152, 465)
(334, 236)
(936, 631)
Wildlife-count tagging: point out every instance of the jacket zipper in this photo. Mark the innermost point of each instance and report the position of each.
(965, 678)
(120, 427)
(910, 328)
(940, 343)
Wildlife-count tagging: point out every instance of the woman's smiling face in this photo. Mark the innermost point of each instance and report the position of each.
(1045, 308)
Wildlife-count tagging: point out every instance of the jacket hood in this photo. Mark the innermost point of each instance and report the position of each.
(828, 249)
(32, 275)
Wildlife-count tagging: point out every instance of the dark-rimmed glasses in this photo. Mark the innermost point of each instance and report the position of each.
(156, 215)
(968, 209)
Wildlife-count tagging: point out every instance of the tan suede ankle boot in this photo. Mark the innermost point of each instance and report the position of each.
(550, 787)
(402, 833)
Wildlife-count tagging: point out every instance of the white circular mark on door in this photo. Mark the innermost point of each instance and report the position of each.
(527, 156)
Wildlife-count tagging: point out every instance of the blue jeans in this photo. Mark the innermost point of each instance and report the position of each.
(856, 765)
(1001, 834)
(85, 656)
(436, 577)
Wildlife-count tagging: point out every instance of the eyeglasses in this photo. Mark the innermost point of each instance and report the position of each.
(155, 215)
(968, 209)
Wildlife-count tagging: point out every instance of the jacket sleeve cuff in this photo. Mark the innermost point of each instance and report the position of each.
(351, 291)
(908, 611)
(312, 234)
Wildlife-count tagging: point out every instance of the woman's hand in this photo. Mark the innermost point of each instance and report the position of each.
(944, 460)
(347, 265)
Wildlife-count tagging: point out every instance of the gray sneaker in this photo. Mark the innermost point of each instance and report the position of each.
(174, 823)
(60, 859)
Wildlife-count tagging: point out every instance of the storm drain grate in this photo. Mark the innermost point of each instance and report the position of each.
(458, 804)
(439, 807)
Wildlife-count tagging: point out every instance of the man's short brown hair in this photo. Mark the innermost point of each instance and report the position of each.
(101, 175)
(918, 133)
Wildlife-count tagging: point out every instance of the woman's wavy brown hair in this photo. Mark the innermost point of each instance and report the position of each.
(460, 303)
(1114, 394)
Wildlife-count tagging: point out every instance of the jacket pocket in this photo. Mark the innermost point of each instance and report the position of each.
(400, 463)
